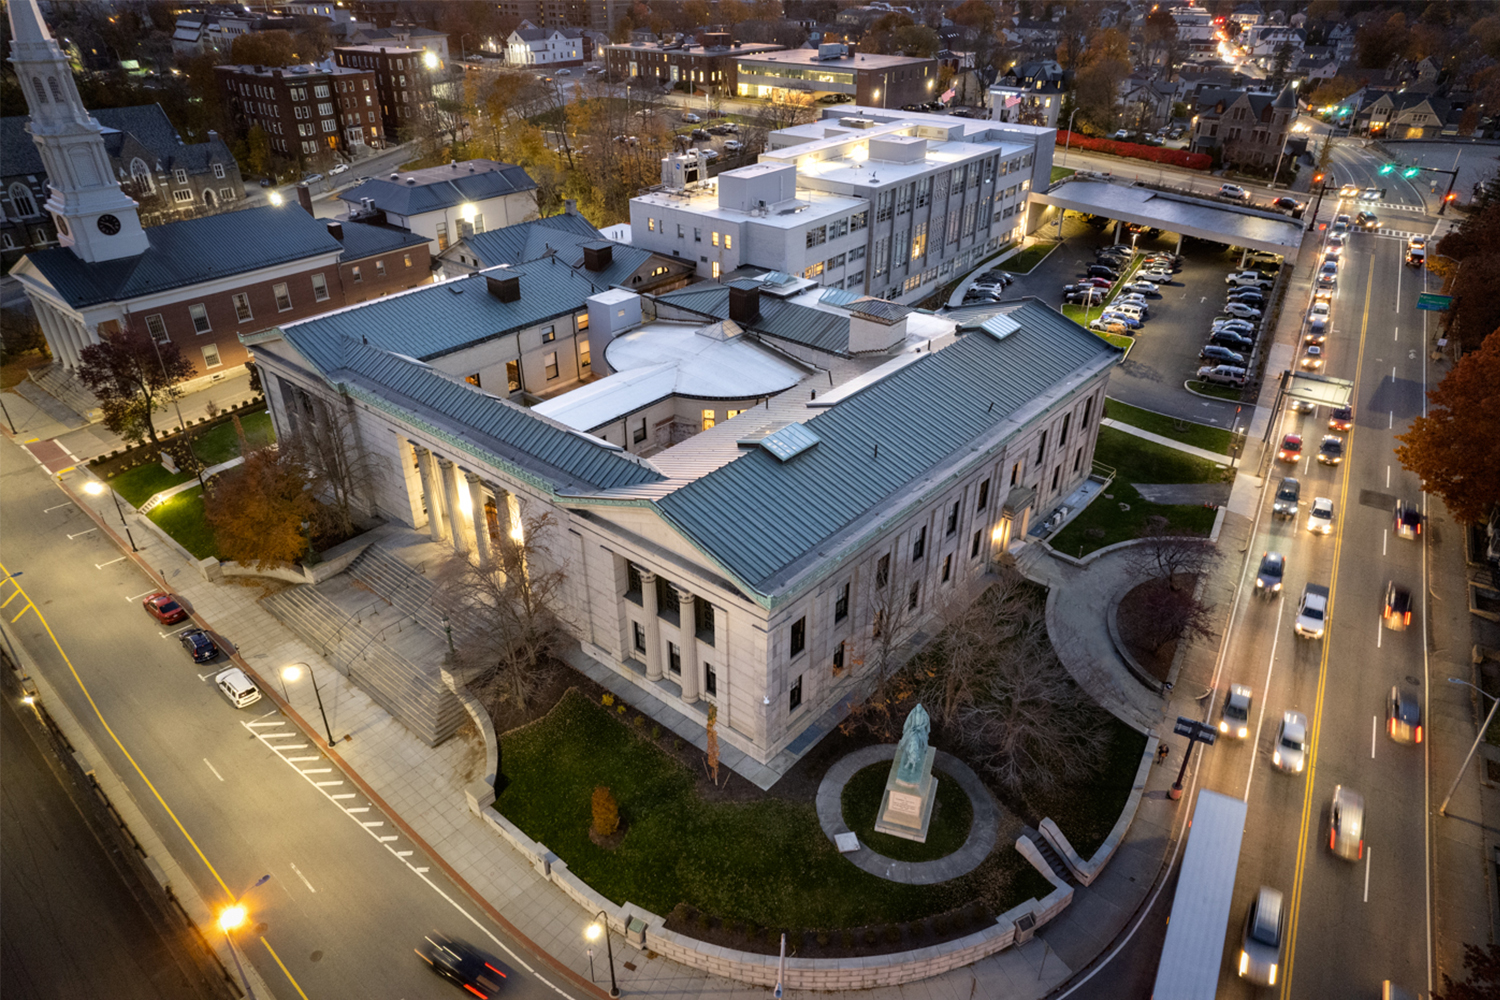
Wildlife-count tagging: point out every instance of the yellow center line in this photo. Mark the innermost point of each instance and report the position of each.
(284, 970)
(1317, 718)
(100, 715)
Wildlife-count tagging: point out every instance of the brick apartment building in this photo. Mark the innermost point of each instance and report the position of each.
(402, 79)
(708, 63)
(304, 110)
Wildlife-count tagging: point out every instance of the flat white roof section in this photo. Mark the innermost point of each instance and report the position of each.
(1217, 222)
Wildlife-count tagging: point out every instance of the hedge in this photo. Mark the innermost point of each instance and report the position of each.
(1136, 151)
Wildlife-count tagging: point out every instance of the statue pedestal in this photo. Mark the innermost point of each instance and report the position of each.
(906, 809)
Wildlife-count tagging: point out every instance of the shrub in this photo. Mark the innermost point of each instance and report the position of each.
(892, 934)
(703, 921)
(846, 937)
(870, 936)
(677, 743)
(606, 812)
(823, 938)
(607, 699)
(640, 722)
(621, 709)
(655, 733)
(1136, 151)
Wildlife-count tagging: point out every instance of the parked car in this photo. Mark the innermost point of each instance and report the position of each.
(1231, 340)
(999, 276)
(1346, 824)
(1083, 298)
(701, 135)
(1247, 296)
(1320, 517)
(1408, 520)
(1291, 448)
(311, 178)
(1144, 288)
(1133, 322)
(1234, 717)
(1403, 716)
(1233, 191)
(1129, 309)
(1243, 327)
(1288, 493)
(164, 608)
(691, 118)
(1221, 356)
(1229, 375)
(1108, 324)
(237, 687)
(833, 98)
(199, 645)
(1241, 310)
(564, 72)
(1252, 278)
(710, 154)
(1121, 134)
(1101, 271)
(1156, 275)
(1290, 753)
(1268, 577)
(338, 168)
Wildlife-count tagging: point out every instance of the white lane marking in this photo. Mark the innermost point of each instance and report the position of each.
(1393, 373)
(1385, 536)
(317, 770)
(386, 840)
(298, 760)
(1270, 667)
(327, 784)
(403, 854)
(1379, 632)
(420, 871)
(277, 722)
(137, 597)
(345, 795)
(48, 510)
(81, 534)
(1392, 422)
(355, 809)
(1367, 874)
(303, 878)
(1396, 333)
(110, 563)
(1387, 477)
(213, 769)
(1374, 728)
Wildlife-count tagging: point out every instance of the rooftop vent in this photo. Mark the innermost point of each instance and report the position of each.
(507, 289)
(744, 304)
(598, 256)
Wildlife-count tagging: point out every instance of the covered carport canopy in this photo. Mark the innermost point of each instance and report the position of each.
(1217, 222)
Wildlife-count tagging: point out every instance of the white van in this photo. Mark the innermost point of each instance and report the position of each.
(237, 687)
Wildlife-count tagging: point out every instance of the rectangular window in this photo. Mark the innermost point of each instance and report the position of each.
(984, 495)
(841, 606)
(549, 334)
(1041, 448)
(581, 322)
(681, 231)
(1088, 410)
(883, 571)
(584, 358)
(283, 297)
(710, 679)
(708, 418)
(379, 269)
(919, 241)
(858, 253)
(199, 312)
(715, 268)
(913, 595)
(703, 620)
(952, 520)
(816, 236)
(920, 545)
(179, 175)
(947, 566)
(974, 546)
(674, 659)
(219, 171)
(407, 259)
(1077, 459)
(320, 288)
(1062, 438)
(838, 658)
(442, 236)
(640, 637)
(242, 307)
(794, 699)
(728, 241)
(211, 356)
(697, 234)
(182, 195)
(640, 432)
(473, 380)
(549, 363)
(354, 273)
(799, 636)
(1015, 473)
(715, 239)
(858, 221)
(156, 328)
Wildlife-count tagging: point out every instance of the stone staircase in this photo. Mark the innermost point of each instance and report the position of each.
(372, 626)
(62, 385)
(1053, 859)
(1034, 561)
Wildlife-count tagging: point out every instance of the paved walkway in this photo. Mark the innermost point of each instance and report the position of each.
(1217, 457)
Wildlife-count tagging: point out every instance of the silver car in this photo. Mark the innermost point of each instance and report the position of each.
(1346, 824)
(1260, 947)
(1290, 754)
(1234, 720)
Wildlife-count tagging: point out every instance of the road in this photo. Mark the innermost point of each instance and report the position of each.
(1351, 925)
(234, 794)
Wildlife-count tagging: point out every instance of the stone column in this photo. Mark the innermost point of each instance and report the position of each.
(691, 668)
(430, 491)
(61, 344)
(652, 624)
(481, 528)
(449, 475)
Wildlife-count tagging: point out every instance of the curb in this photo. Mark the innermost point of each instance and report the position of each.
(1112, 623)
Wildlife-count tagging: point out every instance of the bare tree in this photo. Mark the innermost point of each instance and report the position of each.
(894, 623)
(509, 616)
(1158, 613)
(328, 443)
(1171, 554)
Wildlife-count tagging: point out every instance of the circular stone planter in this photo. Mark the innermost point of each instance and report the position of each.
(983, 831)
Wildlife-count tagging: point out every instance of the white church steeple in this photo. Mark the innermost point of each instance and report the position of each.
(94, 218)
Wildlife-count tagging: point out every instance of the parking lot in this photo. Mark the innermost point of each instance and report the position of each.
(1165, 353)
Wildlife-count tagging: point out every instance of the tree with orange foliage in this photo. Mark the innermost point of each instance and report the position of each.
(1455, 448)
(606, 812)
(258, 511)
(713, 744)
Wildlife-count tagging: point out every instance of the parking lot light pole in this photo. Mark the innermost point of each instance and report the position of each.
(1443, 809)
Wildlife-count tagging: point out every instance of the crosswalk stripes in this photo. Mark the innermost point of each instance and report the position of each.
(1398, 234)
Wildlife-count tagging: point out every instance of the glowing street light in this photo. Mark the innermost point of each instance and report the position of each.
(291, 674)
(94, 487)
(233, 917)
(593, 932)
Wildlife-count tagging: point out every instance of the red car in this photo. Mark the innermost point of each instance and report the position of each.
(1291, 448)
(165, 609)
(1341, 418)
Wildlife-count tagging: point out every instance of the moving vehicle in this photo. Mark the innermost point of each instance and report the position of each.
(1291, 448)
(164, 608)
(1349, 191)
(1233, 191)
(1193, 952)
(1320, 517)
(1287, 494)
(1346, 824)
(1367, 221)
(461, 965)
(1319, 311)
(1403, 716)
(1260, 945)
(1288, 204)
(1312, 612)
(1408, 520)
(1312, 358)
(1268, 577)
(338, 168)
(1397, 613)
(199, 645)
(237, 687)
(1331, 451)
(1290, 752)
(1416, 254)
(1314, 335)
(1341, 418)
(1234, 719)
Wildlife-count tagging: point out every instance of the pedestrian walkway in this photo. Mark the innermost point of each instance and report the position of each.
(1217, 457)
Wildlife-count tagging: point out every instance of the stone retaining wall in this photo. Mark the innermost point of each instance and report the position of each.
(1087, 871)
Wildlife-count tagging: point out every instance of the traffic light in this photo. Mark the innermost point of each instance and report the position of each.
(1317, 178)
(1449, 196)
(1411, 172)
(1386, 169)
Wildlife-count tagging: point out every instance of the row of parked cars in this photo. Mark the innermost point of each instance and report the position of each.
(1130, 306)
(1232, 335)
(988, 287)
(235, 684)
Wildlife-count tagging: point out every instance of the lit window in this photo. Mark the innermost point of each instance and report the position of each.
(716, 268)
(716, 238)
(708, 418)
(199, 312)
(583, 354)
(407, 258)
(728, 241)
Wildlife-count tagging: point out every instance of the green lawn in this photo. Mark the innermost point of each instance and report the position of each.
(766, 861)
(1217, 391)
(952, 816)
(1086, 813)
(1137, 460)
(141, 483)
(217, 445)
(181, 517)
(1198, 435)
(1023, 262)
(1058, 173)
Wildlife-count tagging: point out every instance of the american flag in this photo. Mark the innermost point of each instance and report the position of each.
(1012, 100)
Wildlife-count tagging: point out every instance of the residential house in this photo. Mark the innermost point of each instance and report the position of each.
(441, 204)
(1248, 128)
(549, 48)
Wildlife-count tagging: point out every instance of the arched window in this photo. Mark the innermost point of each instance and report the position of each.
(208, 198)
(141, 174)
(52, 85)
(8, 241)
(36, 85)
(22, 201)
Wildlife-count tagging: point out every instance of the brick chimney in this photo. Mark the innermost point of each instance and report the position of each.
(506, 289)
(304, 198)
(744, 304)
(598, 256)
(336, 229)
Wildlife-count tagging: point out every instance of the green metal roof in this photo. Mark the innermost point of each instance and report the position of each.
(815, 328)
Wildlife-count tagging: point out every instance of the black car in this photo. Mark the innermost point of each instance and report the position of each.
(912, 107)
(1397, 612)
(1290, 204)
(1221, 356)
(1403, 716)
(198, 645)
(1408, 520)
(1100, 271)
(1249, 296)
(701, 134)
(461, 965)
(1000, 276)
(1268, 577)
(1224, 338)
(1287, 495)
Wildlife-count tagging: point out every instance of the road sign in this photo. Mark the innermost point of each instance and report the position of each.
(1200, 732)
(1433, 302)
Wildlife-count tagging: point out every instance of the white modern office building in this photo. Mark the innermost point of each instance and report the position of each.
(889, 204)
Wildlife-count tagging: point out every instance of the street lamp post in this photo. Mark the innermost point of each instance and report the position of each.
(598, 927)
(231, 917)
(291, 673)
(94, 487)
(1068, 143)
(463, 53)
(1484, 727)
